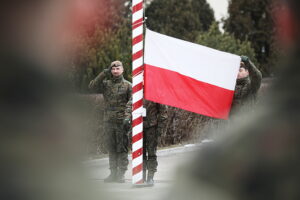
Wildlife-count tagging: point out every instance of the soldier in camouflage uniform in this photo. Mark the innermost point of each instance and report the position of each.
(247, 84)
(155, 124)
(116, 92)
(261, 158)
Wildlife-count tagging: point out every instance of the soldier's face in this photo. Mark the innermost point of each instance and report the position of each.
(242, 73)
(117, 71)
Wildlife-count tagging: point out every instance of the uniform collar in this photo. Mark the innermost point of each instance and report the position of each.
(242, 80)
(118, 79)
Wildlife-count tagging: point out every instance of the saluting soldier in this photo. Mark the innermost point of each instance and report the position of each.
(116, 92)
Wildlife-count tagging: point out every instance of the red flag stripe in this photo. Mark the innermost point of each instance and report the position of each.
(199, 97)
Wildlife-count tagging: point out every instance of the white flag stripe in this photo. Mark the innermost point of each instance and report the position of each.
(137, 47)
(137, 161)
(199, 62)
(137, 177)
(137, 32)
(137, 145)
(137, 63)
(137, 15)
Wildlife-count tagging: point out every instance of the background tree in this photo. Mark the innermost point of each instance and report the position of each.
(105, 37)
(182, 19)
(250, 20)
(215, 39)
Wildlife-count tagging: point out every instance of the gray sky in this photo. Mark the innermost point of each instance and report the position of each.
(220, 8)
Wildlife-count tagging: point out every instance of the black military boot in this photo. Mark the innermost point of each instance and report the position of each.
(121, 176)
(150, 177)
(112, 177)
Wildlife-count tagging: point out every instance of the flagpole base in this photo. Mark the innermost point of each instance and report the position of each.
(142, 185)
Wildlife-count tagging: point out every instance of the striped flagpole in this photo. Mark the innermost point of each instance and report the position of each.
(137, 91)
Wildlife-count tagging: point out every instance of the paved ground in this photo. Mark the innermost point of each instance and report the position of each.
(168, 162)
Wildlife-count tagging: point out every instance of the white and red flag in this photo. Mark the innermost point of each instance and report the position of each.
(189, 76)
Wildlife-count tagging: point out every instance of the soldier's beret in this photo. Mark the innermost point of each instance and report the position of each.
(116, 64)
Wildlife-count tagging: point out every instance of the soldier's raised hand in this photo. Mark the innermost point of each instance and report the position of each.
(107, 71)
(245, 59)
(92, 84)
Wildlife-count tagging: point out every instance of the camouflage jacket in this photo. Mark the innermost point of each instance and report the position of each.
(246, 88)
(116, 93)
(128, 110)
(156, 115)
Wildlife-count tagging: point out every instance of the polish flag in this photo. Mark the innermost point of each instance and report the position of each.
(189, 76)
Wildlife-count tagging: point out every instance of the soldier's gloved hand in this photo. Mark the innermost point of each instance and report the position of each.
(107, 71)
(126, 124)
(245, 59)
(92, 84)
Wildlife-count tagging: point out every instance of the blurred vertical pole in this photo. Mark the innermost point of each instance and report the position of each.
(137, 91)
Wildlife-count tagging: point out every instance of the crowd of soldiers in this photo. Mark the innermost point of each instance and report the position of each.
(118, 103)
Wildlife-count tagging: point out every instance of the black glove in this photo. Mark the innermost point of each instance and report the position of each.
(107, 71)
(245, 59)
(126, 124)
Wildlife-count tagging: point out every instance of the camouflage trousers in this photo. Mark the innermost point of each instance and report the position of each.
(117, 145)
(150, 142)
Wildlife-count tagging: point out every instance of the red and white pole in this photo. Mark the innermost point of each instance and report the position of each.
(137, 91)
